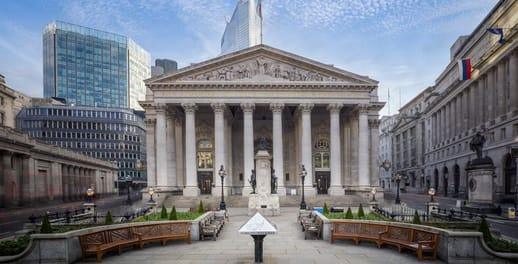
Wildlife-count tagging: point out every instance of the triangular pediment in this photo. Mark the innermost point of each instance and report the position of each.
(261, 64)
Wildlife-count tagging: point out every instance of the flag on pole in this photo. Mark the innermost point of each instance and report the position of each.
(464, 69)
(498, 31)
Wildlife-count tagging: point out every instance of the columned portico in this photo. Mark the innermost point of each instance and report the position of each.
(308, 113)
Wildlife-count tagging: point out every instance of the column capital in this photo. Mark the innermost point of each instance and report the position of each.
(374, 123)
(247, 107)
(150, 122)
(306, 107)
(334, 108)
(362, 108)
(276, 107)
(160, 107)
(218, 107)
(189, 107)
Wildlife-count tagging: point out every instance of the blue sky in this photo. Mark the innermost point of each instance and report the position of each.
(403, 44)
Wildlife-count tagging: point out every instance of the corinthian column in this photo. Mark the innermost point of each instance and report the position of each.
(219, 145)
(363, 146)
(306, 156)
(336, 156)
(161, 147)
(191, 185)
(278, 147)
(150, 150)
(248, 145)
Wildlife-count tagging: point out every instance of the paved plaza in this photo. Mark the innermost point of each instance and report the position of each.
(288, 246)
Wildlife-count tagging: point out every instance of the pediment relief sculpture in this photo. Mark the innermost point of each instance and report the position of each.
(263, 68)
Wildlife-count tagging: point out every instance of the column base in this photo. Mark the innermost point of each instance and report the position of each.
(281, 191)
(335, 191)
(247, 190)
(310, 191)
(191, 191)
(216, 191)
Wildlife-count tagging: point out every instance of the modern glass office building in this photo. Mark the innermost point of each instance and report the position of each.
(245, 27)
(112, 134)
(89, 67)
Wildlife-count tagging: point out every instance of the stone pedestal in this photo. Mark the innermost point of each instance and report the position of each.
(372, 205)
(432, 207)
(263, 201)
(480, 186)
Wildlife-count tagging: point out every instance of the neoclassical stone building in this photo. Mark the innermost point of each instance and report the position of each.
(213, 113)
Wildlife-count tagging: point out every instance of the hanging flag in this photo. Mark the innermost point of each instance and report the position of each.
(464, 69)
(498, 31)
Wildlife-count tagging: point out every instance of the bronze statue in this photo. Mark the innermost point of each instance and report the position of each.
(274, 182)
(253, 182)
(263, 144)
(476, 144)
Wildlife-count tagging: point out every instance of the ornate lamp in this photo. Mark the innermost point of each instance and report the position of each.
(90, 193)
(303, 174)
(151, 191)
(431, 192)
(373, 191)
(222, 174)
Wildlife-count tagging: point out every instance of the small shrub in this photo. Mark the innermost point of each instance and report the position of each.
(109, 219)
(361, 214)
(417, 219)
(201, 210)
(163, 213)
(15, 246)
(484, 228)
(45, 226)
(349, 214)
(326, 210)
(172, 215)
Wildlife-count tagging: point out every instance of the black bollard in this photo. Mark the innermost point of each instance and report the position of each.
(258, 241)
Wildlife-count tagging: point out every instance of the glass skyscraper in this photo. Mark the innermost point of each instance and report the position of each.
(89, 67)
(245, 27)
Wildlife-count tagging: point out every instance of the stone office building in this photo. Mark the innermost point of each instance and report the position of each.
(213, 113)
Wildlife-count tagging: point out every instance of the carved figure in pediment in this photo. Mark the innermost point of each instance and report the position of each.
(276, 71)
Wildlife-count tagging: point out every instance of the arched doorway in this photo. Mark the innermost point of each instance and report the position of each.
(445, 180)
(456, 180)
(510, 175)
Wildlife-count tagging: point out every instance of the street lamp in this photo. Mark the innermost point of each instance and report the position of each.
(90, 193)
(222, 174)
(373, 191)
(303, 174)
(151, 191)
(397, 178)
(431, 192)
(386, 166)
(128, 183)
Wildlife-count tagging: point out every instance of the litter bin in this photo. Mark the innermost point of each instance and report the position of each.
(511, 212)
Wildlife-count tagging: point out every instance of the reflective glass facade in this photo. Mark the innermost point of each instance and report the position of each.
(244, 29)
(90, 67)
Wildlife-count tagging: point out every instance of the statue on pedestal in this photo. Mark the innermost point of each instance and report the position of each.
(253, 182)
(476, 144)
(274, 182)
(263, 143)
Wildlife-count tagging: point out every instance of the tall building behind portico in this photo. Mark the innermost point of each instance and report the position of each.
(244, 28)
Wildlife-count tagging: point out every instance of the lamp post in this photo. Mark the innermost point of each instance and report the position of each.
(303, 174)
(150, 191)
(222, 174)
(431, 192)
(430, 205)
(90, 193)
(373, 191)
(128, 183)
(397, 178)
(386, 166)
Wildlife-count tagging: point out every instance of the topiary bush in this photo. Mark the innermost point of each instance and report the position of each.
(172, 215)
(484, 228)
(417, 219)
(361, 214)
(109, 219)
(45, 226)
(163, 213)
(349, 214)
(201, 209)
(326, 210)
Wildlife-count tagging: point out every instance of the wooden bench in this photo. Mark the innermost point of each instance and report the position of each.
(415, 239)
(212, 225)
(115, 239)
(418, 240)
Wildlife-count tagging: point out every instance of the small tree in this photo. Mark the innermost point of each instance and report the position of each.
(349, 214)
(109, 219)
(484, 228)
(417, 219)
(45, 226)
(163, 213)
(201, 210)
(172, 215)
(361, 214)
(326, 210)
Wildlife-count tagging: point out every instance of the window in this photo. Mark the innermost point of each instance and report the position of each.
(321, 160)
(1, 118)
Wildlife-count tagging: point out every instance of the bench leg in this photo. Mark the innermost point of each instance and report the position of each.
(99, 257)
(419, 254)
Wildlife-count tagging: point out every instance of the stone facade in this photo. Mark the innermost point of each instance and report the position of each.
(213, 113)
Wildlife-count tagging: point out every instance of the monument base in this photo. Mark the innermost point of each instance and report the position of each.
(266, 204)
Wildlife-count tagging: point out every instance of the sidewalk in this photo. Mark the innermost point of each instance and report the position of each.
(288, 246)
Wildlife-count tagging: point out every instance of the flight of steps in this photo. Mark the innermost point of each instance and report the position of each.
(285, 201)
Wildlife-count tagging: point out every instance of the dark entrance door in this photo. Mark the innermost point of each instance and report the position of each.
(205, 182)
(323, 180)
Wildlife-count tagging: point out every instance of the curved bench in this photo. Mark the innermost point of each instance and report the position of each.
(403, 237)
(117, 238)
